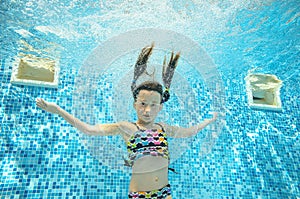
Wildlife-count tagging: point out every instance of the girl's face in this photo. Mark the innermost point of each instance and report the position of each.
(147, 105)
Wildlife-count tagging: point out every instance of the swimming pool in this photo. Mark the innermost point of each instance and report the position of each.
(257, 153)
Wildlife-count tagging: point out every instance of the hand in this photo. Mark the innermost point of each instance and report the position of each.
(47, 106)
(215, 114)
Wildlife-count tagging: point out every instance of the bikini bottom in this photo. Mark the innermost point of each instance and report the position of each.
(155, 194)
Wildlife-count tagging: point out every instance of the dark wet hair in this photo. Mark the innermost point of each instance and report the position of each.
(167, 74)
(152, 86)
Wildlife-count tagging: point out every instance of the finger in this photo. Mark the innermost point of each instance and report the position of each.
(42, 104)
(215, 115)
(38, 101)
(39, 105)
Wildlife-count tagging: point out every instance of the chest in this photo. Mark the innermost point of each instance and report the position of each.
(147, 138)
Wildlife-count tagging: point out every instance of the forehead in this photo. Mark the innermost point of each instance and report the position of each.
(149, 95)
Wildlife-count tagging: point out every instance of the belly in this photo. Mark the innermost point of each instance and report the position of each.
(149, 173)
(149, 164)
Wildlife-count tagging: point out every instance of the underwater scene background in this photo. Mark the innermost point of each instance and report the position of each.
(256, 153)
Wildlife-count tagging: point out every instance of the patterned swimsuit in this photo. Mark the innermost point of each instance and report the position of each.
(151, 142)
(147, 142)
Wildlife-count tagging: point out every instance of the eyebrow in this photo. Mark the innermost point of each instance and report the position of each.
(144, 101)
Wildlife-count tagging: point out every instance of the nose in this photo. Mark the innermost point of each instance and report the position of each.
(147, 108)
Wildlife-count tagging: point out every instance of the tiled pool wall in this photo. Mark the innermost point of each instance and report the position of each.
(256, 156)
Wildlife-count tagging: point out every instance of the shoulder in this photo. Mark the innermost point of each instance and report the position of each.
(119, 128)
(124, 124)
(170, 130)
(126, 128)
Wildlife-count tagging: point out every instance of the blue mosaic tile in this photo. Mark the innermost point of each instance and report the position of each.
(257, 155)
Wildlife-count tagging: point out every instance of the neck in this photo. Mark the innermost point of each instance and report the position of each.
(146, 125)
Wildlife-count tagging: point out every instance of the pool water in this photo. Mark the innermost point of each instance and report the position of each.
(257, 152)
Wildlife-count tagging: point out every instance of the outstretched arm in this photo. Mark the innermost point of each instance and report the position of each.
(99, 129)
(180, 132)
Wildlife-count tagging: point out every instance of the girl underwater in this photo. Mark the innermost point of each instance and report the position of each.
(147, 141)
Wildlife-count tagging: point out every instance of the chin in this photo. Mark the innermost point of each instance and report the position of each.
(147, 119)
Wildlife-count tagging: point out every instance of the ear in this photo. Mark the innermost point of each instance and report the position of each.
(134, 105)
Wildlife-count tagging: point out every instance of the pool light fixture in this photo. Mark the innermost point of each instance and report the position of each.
(263, 91)
(35, 71)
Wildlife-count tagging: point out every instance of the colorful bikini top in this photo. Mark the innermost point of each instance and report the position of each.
(147, 142)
